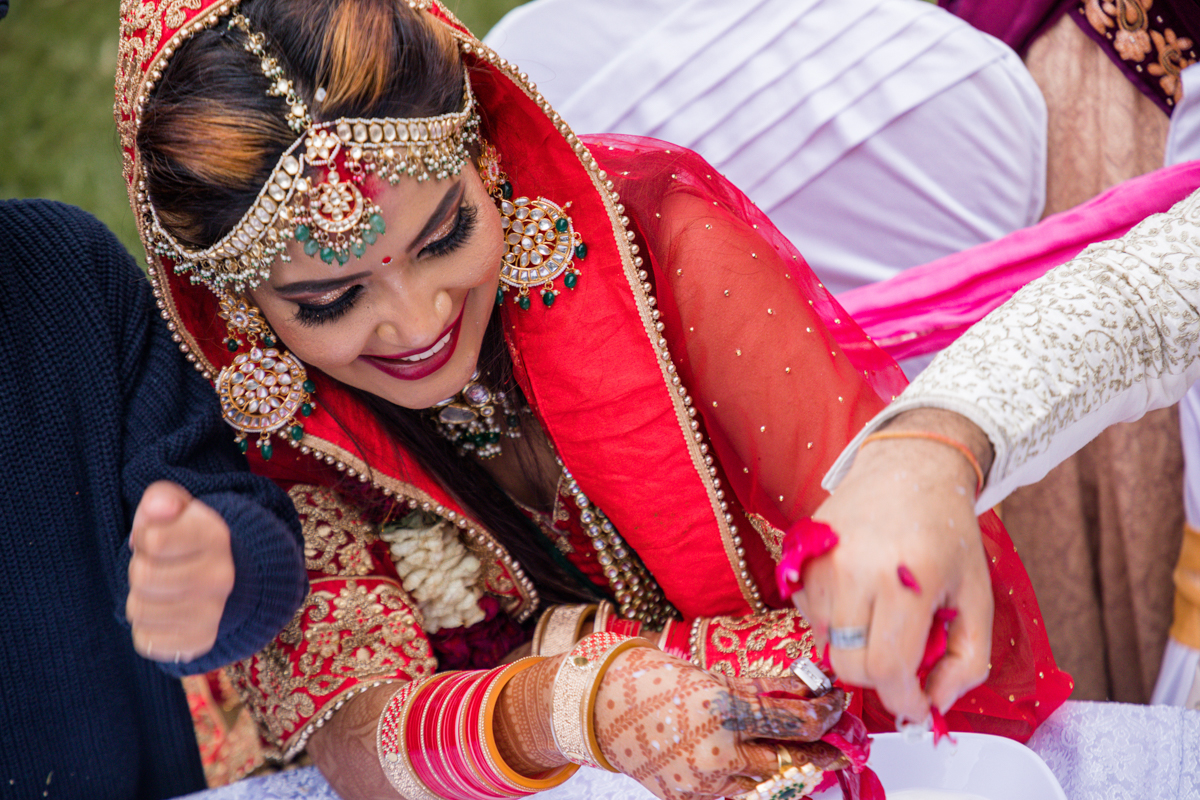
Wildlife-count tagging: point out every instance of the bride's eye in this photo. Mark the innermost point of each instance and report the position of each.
(327, 308)
(460, 232)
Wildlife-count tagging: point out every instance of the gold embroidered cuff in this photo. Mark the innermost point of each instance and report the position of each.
(604, 615)
(390, 746)
(559, 629)
(575, 687)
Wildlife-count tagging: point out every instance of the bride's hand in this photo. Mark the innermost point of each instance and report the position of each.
(906, 503)
(683, 732)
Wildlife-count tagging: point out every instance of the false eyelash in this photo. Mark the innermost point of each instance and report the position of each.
(464, 226)
(317, 315)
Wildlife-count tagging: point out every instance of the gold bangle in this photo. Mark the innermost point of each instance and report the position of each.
(558, 629)
(389, 742)
(696, 647)
(487, 734)
(934, 437)
(604, 615)
(573, 722)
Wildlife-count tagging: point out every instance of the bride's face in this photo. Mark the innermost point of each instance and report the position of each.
(406, 320)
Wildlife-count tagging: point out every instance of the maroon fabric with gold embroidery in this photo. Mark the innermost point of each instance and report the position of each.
(1151, 41)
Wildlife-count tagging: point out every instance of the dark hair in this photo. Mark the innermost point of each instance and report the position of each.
(210, 136)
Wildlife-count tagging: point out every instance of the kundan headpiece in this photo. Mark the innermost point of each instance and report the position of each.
(330, 215)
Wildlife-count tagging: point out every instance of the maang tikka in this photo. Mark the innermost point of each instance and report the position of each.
(314, 194)
(541, 240)
(265, 389)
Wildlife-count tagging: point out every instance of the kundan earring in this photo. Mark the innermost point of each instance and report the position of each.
(265, 389)
(542, 243)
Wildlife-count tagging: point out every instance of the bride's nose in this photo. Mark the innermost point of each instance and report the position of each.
(414, 325)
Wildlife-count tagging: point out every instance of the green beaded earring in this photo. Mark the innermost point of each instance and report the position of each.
(541, 241)
(266, 389)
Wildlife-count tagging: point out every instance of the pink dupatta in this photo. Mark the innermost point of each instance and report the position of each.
(925, 308)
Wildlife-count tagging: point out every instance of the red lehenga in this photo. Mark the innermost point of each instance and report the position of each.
(697, 384)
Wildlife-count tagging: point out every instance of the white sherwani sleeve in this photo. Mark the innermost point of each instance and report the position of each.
(1102, 339)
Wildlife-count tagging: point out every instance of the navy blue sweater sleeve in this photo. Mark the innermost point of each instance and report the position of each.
(173, 431)
(98, 403)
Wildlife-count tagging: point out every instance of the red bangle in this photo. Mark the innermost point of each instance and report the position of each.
(936, 437)
(675, 639)
(393, 747)
(416, 739)
(461, 757)
(470, 736)
(625, 627)
(456, 778)
(454, 759)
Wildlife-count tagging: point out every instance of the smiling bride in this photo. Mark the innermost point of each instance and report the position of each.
(543, 403)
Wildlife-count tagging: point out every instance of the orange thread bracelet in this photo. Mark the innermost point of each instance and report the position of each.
(937, 437)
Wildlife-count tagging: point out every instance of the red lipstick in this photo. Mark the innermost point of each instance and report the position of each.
(416, 364)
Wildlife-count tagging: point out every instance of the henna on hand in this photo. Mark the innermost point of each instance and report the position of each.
(746, 708)
(682, 732)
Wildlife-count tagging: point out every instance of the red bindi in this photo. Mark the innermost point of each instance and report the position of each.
(387, 259)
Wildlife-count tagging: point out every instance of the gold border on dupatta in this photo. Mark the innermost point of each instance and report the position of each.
(641, 291)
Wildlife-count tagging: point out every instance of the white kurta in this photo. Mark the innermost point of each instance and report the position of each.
(1102, 339)
(876, 134)
(1178, 683)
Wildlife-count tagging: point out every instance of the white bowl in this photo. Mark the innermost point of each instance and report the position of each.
(988, 766)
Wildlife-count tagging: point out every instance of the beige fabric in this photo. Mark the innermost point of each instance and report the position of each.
(1101, 533)
(1102, 129)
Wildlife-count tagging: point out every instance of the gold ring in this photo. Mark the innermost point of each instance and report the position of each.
(790, 782)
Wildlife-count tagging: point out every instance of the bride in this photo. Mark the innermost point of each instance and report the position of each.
(509, 375)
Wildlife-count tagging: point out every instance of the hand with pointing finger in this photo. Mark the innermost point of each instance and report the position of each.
(180, 575)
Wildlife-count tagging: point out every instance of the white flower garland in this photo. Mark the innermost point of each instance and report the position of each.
(436, 570)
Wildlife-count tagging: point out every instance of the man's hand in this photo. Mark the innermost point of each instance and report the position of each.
(180, 575)
(906, 503)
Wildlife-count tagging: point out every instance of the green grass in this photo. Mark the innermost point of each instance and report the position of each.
(57, 136)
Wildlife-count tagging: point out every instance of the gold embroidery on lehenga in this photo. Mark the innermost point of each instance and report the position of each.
(335, 537)
(348, 634)
(761, 645)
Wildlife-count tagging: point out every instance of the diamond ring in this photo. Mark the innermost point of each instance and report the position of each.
(852, 638)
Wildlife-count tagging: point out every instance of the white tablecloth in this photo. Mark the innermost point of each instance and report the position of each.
(1098, 751)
